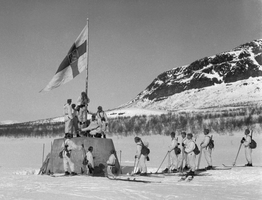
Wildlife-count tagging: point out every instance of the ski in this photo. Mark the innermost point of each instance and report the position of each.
(146, 175)
(129, 179)
(62, 175)
(182, 179)
(189, 178)
(217, 168)
(239, 166)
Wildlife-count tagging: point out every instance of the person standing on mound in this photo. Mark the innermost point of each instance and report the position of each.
(75, 121)
(207, 151)
(191, 156)
(82, 103)
(102, 117)
(68, 145)
(68, 118)
(248, 151)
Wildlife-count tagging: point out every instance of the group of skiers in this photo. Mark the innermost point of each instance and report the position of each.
(179, 159)
(184, 158)
(75, 118)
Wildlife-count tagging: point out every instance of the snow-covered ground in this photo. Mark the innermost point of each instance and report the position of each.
(20, 160)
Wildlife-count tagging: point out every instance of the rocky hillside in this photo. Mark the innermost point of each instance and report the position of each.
(227, 79)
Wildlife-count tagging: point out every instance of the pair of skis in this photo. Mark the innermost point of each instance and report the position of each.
(131, 179)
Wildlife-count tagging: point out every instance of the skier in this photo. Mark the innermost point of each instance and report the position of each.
(101, 115)
(248, 151)
(140, 159)
(189, 150)
(172, 155)
(183, 157)
(68, 116)
(90, 165)
(111, 163)
(206, 149)
(68, 145)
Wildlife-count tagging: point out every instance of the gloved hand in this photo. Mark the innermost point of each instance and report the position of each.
(135, 156)
(243, 138)
(147, 158)
(183, 145)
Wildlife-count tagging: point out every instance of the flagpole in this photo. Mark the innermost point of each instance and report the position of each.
(87, 63)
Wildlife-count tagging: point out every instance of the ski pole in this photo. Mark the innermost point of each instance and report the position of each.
(135, 165)
(234, 163)
(182, 162)
(162, 162)
(199, 158)
(120, 162)
(43, 153)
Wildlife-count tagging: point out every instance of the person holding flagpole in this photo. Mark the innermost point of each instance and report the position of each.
(82, 103)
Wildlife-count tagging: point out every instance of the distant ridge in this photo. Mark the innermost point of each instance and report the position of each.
(231, 78)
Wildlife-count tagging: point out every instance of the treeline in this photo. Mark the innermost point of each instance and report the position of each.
(222, 122)
(32, 130)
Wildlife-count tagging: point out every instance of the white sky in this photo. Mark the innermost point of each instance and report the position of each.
(131, 43)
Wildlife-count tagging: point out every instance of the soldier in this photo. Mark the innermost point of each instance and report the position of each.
(248, 151)
(90, 165)
(207, 151)
(82, 103)
(111, 163)
(94, 128)
(172, 155)
(68, 116)
(75, 121)
(101, 115)
(68, 146)
(183, 157)
(191, 156)
(140, 159)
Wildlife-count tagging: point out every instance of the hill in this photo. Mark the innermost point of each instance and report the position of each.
(231, 78)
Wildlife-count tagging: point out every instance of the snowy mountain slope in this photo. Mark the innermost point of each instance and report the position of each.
(228, 78)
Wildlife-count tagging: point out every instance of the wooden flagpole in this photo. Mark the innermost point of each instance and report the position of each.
(87, 63)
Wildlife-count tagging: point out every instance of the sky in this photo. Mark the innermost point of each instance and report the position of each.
(131, 42)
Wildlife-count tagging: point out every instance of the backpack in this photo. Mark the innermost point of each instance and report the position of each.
(196, 149)
(211, 143)
(253, 143)
(145, 150)
(177, 150)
